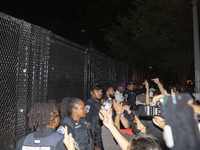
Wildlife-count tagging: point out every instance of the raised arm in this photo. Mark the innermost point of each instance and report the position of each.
(124, 120)
(147, 92)
(108, 123)
(160, 86)
(118, 109)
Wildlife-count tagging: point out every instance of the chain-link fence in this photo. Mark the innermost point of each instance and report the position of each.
(24, 54)
(37, 66)
(67, 70)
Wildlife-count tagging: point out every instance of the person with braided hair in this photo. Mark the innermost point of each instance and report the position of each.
(43, 117)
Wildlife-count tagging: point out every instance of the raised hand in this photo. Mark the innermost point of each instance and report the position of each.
(146, 84)
(156, 80)
(127, 108)
(106, 117)
(160, 122)
(117, 107)
(68, 140)
(157, 98)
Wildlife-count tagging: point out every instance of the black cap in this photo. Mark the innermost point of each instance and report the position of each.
(96, 87)
(129, 83)
(121, 84)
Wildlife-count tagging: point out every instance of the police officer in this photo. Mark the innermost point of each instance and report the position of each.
(93, 106)
(45, 118)
(72, 114)
(130, 94)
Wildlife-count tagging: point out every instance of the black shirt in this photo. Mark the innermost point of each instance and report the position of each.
(92, 110)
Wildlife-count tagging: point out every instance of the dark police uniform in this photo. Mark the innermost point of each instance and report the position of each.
(49, 140)
(81, 133)
(92, 115)
(130, 96)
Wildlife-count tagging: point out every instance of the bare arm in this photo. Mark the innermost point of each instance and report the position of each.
(160, 86)
(117, 121)
(196, 108)
(147, 92)
(107, 121)
(123, 143)
(125, 122)
(118, 109)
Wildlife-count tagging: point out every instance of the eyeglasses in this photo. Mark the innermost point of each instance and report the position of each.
(55, 117)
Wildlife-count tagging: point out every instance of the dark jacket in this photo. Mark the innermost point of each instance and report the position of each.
(47, 132)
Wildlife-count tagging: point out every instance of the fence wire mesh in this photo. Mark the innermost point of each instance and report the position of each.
(23, 75)
(9, 46)
(38, 66)
(100, 68)
(66, 70)
(107, 71)
(121, 72)
(32, 72)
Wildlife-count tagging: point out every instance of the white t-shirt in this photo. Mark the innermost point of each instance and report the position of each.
(119, 96)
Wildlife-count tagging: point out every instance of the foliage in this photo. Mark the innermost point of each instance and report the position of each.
(158, 33)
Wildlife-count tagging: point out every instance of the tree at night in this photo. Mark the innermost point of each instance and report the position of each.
(158, 34)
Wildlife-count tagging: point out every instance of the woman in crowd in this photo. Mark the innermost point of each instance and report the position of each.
(72, 114)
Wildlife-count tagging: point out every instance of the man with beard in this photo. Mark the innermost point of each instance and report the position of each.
(109, 93)
(93, 106)
(124, 117)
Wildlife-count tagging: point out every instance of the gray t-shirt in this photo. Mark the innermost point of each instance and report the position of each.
(141, 98)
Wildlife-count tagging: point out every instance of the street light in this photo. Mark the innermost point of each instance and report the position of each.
(196, 46)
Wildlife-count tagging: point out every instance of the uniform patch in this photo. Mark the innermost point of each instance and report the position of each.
(76, 145)
(37, 141)
(87, 107)
(35, 148)
(61, 130)
(126, 95)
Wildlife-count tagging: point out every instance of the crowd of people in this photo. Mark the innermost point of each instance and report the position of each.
(151, 118)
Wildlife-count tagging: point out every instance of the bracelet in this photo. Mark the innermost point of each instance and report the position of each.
(118, 112)
(117, 117)
(122, 115)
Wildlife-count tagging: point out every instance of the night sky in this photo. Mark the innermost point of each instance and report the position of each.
(81, 21)
(69, 18)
